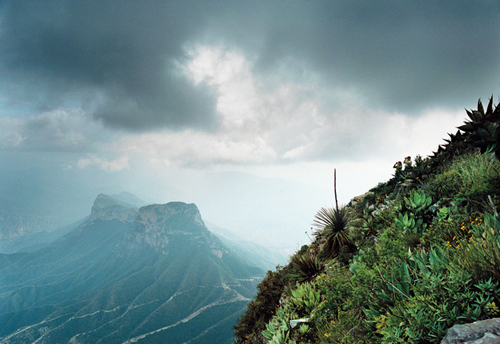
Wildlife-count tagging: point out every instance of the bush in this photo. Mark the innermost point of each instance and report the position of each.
(304, 266)
(471, 176)
(480, 253)
(261, 309)
(441, 297)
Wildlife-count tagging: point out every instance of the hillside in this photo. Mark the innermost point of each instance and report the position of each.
(402, 263)
(148, 275)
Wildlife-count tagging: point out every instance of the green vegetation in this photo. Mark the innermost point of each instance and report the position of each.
(416, 255)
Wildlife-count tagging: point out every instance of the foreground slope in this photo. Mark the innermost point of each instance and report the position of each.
(404, 263)
(150, 275)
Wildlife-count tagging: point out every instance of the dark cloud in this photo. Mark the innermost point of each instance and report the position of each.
(115, 57)
(402, 55)
(118, 58)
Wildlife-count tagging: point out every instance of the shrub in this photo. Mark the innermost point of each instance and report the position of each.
(340, 318)
(469, 179)
(262, 308)
(480, 254)
(441, 298)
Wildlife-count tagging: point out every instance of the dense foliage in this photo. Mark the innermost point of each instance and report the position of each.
(263, 307)
(404, 262)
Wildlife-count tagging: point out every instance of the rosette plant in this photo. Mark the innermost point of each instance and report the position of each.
(483, 127)
(332, 226)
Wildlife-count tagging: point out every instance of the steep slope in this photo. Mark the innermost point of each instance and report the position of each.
(126, 275)
(405, 262)
(19, 228)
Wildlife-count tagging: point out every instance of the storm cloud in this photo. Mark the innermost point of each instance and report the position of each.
(122, 61)
(113, 58)
(158, 97)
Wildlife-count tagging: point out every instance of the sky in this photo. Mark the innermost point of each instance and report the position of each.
(242, 107)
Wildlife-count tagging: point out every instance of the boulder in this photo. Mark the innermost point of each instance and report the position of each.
(479, 332)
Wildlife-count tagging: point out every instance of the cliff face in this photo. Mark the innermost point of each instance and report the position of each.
(160, 226)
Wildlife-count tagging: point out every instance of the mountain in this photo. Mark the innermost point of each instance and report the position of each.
(272, 212)
(126, 275)
(250, 252)
(22, 230)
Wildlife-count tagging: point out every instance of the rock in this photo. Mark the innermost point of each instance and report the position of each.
(359, 199)
(479, 332)
(107, 208)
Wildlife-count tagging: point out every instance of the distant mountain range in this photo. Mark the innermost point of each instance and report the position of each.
(23, 228)
(250, 252)
(153, 274)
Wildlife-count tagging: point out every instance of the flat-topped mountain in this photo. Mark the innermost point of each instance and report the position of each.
(126, 275)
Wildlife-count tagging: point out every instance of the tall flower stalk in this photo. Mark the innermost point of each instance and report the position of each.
(332, 225)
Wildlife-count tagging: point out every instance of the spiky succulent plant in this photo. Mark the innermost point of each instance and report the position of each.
(332, 226)
(482, 130)
(306, 266)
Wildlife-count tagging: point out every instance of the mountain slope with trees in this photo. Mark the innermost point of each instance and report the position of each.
(401, 264)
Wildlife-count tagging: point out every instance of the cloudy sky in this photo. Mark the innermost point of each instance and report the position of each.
(171, 100)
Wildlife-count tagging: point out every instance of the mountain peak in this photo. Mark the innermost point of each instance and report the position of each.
(108, 208)
(158, 224)
(162, 213)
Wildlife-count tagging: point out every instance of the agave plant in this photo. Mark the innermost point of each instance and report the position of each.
(332, 226)
(483, 129)
(455, 145)
(306, 267)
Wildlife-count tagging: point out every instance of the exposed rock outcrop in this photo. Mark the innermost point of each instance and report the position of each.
(479, 332)
(158, 225)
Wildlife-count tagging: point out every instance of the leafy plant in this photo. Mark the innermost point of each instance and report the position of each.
(305, 298)
(418, 202)
(278, 329)
(441, 296)
(480, 255)
(409, 224)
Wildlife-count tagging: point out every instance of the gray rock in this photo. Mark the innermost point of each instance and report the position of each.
(479, 332)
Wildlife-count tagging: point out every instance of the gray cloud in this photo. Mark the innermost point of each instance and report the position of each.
(401, 55)
(58, 130)
(118, 59)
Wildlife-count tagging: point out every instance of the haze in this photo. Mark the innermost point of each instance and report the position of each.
(242, 107)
